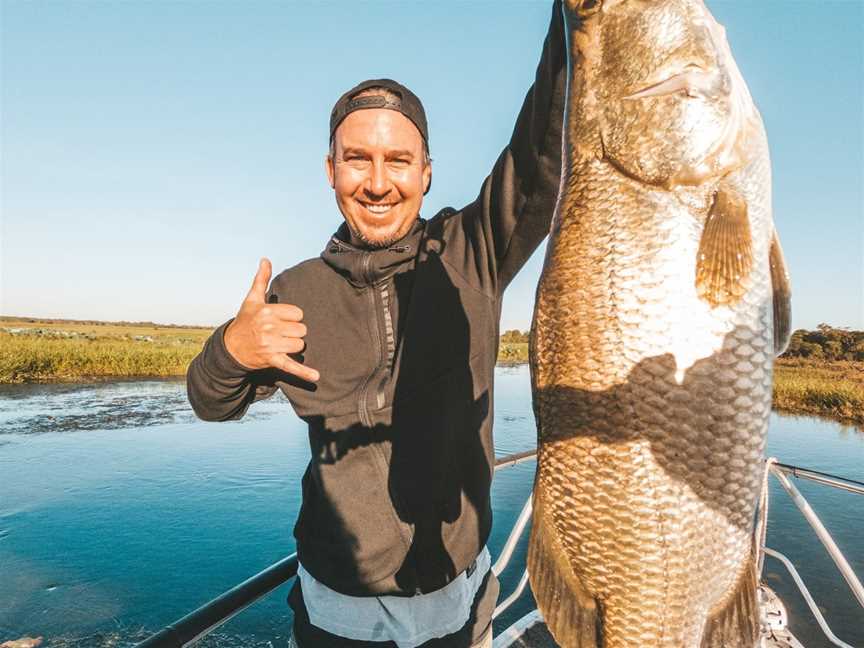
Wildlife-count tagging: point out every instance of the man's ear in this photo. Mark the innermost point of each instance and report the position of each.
(331, 171)
(427, 178)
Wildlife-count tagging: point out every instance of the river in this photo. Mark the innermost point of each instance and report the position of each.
(120, 511)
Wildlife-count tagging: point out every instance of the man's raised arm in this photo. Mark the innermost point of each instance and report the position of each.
(514, 209)
(243, 358)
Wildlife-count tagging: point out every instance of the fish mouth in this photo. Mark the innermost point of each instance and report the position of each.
(693, 82)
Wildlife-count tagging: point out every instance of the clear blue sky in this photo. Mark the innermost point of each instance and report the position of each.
(153, 151)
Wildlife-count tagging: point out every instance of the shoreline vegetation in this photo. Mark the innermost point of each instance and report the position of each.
(821, 373)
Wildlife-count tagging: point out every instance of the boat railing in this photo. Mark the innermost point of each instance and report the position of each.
(780, 471)
(201, 622)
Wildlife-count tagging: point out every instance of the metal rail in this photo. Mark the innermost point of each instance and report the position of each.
(808, 598)
(210, 616)
(195, 625)
(515, 534)
(510, 600)
(507, 552)
(851, 485)
(515, 458)
(822, 533)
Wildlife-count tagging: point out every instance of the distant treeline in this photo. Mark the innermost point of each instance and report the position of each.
(827, 343)
(46, 320)
(515, 336)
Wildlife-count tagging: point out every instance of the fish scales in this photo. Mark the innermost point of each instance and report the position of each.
(662, 302)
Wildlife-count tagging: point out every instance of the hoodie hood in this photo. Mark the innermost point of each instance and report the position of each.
(365, 266)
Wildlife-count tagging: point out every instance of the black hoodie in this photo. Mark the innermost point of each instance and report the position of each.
(396, 497)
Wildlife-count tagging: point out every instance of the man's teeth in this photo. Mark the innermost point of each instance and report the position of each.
(377, 209)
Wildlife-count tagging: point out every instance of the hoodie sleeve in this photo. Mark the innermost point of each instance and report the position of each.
(219, 387)
(513, 212)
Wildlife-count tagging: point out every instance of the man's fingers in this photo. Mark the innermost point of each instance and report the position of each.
(258, 291)
(287, 329)
(288, 365)
(286, 345)
(287, 312)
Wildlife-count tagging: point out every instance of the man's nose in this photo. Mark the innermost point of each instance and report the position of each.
(379, 183)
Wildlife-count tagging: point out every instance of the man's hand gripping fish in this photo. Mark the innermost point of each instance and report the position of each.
(663, 300)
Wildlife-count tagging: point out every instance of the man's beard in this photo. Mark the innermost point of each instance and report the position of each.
(378, 244)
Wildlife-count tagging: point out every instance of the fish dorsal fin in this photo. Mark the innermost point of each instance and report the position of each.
(782, 296)
(725, 255)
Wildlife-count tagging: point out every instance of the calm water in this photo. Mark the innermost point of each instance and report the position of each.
(120, 512)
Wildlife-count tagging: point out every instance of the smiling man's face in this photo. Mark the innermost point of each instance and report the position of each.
(379, 173)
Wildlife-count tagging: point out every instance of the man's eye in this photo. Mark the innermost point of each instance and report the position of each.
(401, 162)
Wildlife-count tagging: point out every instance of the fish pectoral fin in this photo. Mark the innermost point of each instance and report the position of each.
(725, 255)
(734, 623)
(570, 612)
(782, 297)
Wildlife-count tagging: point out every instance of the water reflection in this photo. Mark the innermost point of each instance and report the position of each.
(38, 409)
(843, 427)
(123, 512)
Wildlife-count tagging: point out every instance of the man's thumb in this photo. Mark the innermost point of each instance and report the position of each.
(258, 291)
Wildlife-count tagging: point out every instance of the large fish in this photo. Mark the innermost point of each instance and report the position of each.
(663, 300)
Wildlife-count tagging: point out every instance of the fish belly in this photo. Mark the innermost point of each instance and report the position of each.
(652, 409)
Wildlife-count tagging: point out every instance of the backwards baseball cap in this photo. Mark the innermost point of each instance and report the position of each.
(407, 103)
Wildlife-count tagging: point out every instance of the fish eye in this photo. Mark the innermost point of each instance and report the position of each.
(588, 7)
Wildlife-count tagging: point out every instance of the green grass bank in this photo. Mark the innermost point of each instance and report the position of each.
(824, 382)
(834, 389)
(61, 350)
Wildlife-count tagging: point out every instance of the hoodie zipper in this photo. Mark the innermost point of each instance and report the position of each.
(385, 351)
(389, 342)
(362, 406)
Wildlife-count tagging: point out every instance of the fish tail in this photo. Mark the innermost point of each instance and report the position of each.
(570, 612)
(735, 622)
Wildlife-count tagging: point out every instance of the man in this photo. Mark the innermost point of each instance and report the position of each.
(386, 345)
